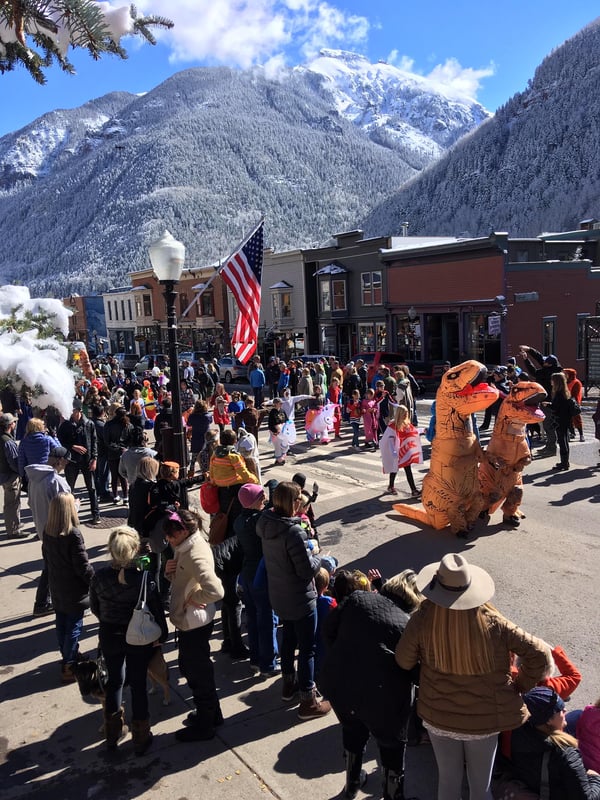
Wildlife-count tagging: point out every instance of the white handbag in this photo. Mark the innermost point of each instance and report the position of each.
(143, 628)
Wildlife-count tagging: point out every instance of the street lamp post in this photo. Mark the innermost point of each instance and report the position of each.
(167, 256)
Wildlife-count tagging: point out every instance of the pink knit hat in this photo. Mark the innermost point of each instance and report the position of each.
(249, 494)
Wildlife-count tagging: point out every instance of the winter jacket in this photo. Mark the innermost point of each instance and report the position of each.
(44, 483)
(228, 468)
(69, 571)
(561, 408)
(113, 602)
(567, 777)
(116, 438)
(251, 544)
(479, 704)
(257, 378)
(34, 448)
(588, 736)
(194, 579)
(228, 557)
(128, 465)
(360, 676)
(198, 423)
(9, 458)
(567, 681)
(290, 567)
(140, 504)
(82, 432)
(534, 361)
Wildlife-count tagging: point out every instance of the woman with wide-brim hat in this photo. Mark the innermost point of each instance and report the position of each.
(466, 692)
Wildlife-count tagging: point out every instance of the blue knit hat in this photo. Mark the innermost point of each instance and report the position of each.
(543, 703)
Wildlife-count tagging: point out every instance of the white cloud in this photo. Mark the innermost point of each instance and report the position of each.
(241, 33)
(451, 76)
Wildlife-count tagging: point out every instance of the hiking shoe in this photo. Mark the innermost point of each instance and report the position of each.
(95, 520)
(311, 707)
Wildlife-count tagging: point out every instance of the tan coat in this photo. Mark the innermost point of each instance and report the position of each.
(195, 564)
(475, 704)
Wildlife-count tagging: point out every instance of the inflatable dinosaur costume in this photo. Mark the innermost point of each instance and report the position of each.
(508, 451)
(451, 493)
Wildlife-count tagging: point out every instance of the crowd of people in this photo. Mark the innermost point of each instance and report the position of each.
(428, 651)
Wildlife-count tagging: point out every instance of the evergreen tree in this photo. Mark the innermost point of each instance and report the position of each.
(35, 33)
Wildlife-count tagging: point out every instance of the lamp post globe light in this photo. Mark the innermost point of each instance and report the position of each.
(167, 256)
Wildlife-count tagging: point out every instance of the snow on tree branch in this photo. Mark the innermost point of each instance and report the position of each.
(31, 356)
(35, 33)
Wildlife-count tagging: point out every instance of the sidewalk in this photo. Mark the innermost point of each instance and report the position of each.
(52, 746)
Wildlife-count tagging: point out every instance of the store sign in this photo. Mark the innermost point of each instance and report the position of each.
(494, 324)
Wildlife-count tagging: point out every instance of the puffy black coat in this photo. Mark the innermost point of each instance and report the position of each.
(113, 602)
(69, 571)
(359, 675)
(228, 557)
(567, 776)
(290, 567)
(252, 552)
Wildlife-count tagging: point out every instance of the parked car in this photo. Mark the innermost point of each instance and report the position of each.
(146, 363)
(231, 369)
(127, 361)
(193, 356)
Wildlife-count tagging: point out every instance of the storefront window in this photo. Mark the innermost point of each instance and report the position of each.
(549, 335)
(408, 338)
(339, 295)
(366, 338)
(325, 297)
(484, 338)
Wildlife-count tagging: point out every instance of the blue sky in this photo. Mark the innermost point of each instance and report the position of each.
(490, 49)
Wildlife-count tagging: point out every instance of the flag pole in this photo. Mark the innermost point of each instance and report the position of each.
(221, 264)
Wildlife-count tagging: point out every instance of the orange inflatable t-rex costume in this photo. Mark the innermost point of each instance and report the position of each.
(508, 452)
(451, 493)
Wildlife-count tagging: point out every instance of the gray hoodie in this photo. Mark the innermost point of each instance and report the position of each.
(44, 484)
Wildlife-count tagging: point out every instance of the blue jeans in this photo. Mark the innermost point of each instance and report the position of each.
(301, 633)
(261, 624)
(68, 631)
(102, 477)
(355, 428)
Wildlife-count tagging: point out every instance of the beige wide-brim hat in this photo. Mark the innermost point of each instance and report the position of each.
(456, 584)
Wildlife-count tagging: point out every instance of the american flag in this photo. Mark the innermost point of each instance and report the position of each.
(242, 274)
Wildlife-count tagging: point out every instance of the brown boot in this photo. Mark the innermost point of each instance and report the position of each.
(141, 735)
(114, 728)
(67, 675)
(311, 707)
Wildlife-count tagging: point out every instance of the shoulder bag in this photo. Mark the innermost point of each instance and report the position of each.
(143, 628)
(218, 526)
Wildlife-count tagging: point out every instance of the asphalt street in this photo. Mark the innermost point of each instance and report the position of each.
(546, 574)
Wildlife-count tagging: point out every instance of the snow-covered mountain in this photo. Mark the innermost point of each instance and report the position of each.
(394, 107)
(533, 167)
(205, 154)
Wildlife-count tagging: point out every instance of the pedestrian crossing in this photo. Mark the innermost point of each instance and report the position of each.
(339, 470)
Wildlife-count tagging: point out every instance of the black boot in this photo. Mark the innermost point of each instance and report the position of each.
(356, 777)
(393, 784)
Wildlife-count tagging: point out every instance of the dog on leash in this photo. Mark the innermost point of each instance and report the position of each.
(158, 672)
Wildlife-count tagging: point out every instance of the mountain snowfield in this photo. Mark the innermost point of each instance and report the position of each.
(205, 154)
(395, 106)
